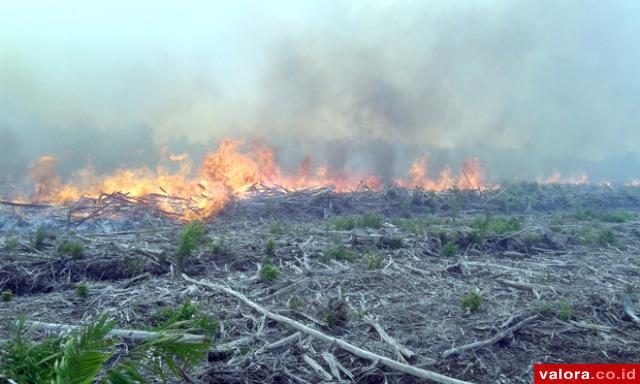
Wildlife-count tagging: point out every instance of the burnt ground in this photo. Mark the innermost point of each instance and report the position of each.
(565, 256)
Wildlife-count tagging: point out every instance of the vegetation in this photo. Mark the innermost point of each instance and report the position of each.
(278, 228)
(82, 290)
(88, 355)
(270, 247)
(269, 273)
(190, 236)
(586, 214)
(335, 313)
(483, 226)
(187, 317)
(450, 249)
(347, 223)
(566, 311)
(295, 302)
(11, 244)
(338, 252)
(71, 247)
(471, 301)
(6, 296)
(221, 248)
(396, 243)
(217, 248)
(39, 238)
(587, 236)
(374, 261)
(413, 226)
(606, 237)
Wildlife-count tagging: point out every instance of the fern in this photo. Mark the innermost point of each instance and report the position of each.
(83, 356)
(26, 362)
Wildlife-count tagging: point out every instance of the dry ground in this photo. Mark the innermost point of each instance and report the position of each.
(567, 257)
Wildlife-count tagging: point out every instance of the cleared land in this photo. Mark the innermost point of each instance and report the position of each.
(529, 273)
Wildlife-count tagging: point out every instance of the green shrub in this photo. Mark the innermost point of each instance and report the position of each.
(335, 312)
(71, 247)
(188, 317)
(543, 307)
(295, 303)
(270, 247)
(374, 261)
(221, 248)
(532, 239)
(11, 244)
(605, 216)
(347, 223)
(269, 273)
(217, 248)
(413, 226)
(371, 220)
(471, 301)
(82, 290)
(338, 252)
(278, 228)
(6, 295)
(495, 225)
(39, 238)
(606, 237)
(450, 249)
(88, 355)
(566, 311)
(190, 236)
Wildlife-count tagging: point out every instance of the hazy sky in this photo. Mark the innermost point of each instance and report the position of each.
(550, 83)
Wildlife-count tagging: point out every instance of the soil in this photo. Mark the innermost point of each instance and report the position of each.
(568, 255)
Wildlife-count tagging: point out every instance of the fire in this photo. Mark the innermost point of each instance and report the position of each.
(471, 177)
(577, 179)
(228, 172)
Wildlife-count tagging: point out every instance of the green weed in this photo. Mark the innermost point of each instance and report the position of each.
(82, 290)
(6, 295)
(449, 249)
(88, 355)
(269, 273)
(566, 311)
(190, 236)
(338, 253)
(39, 238)
(187, 317)
(347, 223)
(71, 247)
(471, 301)
(270, 247)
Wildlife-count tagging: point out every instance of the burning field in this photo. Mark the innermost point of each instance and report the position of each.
(316, 284)
(309, 191)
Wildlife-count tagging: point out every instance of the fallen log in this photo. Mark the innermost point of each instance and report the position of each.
(25, 205)
(128, 334)
(497, 337)
(405, 368)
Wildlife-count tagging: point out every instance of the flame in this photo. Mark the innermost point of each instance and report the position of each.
(471, 177)
(577, 179)
(229, 171)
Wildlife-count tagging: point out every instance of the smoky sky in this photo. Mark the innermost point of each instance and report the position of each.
(528, 87)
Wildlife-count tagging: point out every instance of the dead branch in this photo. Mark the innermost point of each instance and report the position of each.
(129, 334)
(401, 349)
(627, 306)
(497, 337)
(405, 368)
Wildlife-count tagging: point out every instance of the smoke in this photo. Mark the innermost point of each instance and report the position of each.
(528, 87)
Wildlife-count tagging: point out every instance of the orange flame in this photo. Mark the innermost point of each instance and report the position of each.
(230, 172)
(577, 179)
